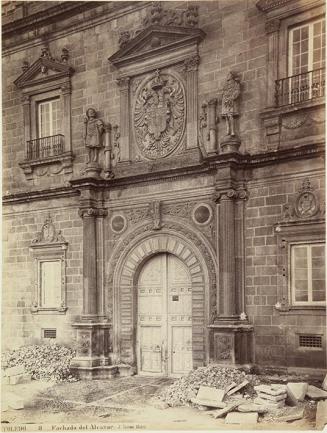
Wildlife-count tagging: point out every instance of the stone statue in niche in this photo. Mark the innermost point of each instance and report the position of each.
(93, 130)
(231, 92)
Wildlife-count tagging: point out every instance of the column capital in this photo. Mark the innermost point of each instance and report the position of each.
(272, 26)
(92, 212)
(123, 82)
(191, 63)
(230, 194)
(66, 88)
(26, 99)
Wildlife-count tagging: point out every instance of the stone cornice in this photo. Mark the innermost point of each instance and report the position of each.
(116, 10)
(268, 5)
(207, 165)
(47, 16)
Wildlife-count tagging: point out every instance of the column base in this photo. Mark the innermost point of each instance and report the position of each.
(92, 170)
(231, 343)
(93, 344)
(230, 144)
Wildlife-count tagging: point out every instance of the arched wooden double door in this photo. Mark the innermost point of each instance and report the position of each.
(164, 317)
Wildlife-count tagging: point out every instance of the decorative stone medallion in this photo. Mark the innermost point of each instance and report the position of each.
(118, 223)
(202, 214)
(159, 115)
(306, 205)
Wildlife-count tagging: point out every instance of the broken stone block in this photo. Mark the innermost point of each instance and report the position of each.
(250, 407)
(14, 371)
(324, 384)
(238, 387)
(222, 412)
(272, 397)
(296, 390)
(228, 388)
(21, 378)
(274, 389)
(209, 396)
(269, 404)
(321, 415)
(241, 418)
(292, 417)
(315, 393)
(14, 401)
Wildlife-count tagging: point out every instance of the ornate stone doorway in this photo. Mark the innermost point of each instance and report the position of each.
(129, 263)
(164, 317)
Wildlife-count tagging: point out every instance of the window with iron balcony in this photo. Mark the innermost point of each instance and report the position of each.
(306, 65)
(295, 73)
(46, 97)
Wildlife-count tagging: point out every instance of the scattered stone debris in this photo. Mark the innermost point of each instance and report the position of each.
(321, 415)
(241, 418)
(238, 387)
(15, 375)
(251, 407)
(324, 384)
(292, 417)
(210, 397)
(183, 390)
(296, 391)
(222, 412)
(315, 393)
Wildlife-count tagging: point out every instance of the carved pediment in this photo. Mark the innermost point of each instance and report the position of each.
(154, 40)
(44, 69)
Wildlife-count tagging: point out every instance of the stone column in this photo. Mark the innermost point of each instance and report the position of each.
(89, 264)
(123, 83)
(227, 295)
(191, 68)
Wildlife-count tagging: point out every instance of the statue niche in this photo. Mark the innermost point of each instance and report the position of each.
(159, 115)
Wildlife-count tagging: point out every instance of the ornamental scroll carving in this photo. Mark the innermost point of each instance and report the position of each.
(159, 115)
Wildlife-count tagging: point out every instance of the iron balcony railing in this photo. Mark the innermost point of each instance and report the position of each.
(45, 147)
(300, 88)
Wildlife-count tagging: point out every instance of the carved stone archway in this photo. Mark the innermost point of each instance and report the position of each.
(136, 251)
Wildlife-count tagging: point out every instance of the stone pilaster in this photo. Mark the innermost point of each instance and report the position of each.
(191, 69)
(93, 329)
(230, 334)
(66, 90)
(212, 125)
(123, 84)
(272, 30)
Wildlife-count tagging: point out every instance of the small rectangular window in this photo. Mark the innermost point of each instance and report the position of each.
(49, 333)
(49, 118)
(310, 341)
(50, 283)
(308, 274)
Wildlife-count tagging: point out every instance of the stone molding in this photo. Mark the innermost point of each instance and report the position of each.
(91, 212)
(268, 5)
(143, 242)
(230, 194)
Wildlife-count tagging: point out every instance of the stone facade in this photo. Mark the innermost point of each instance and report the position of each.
(195, 158)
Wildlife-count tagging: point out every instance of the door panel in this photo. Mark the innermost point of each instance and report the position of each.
(164, 317)
(181, 349)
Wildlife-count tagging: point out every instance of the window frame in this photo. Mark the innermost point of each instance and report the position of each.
(288, 234)
(310, 302)
(48, 102)
(48, 253)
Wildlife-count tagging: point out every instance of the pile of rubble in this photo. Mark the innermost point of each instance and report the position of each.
(183, 390)
(241, 398)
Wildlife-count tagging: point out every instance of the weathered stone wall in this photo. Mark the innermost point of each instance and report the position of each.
(94, 81)
(276, 332)
(20, 227)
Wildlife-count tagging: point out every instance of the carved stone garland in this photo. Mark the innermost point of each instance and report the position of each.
(159, 115)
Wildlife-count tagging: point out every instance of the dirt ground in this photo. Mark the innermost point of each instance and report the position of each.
(121, 404)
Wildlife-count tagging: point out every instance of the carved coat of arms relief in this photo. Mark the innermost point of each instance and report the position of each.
(159, 115)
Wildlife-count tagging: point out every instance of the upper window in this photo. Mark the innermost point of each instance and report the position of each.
(307, 47)
(308, 274)
(49, 118)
